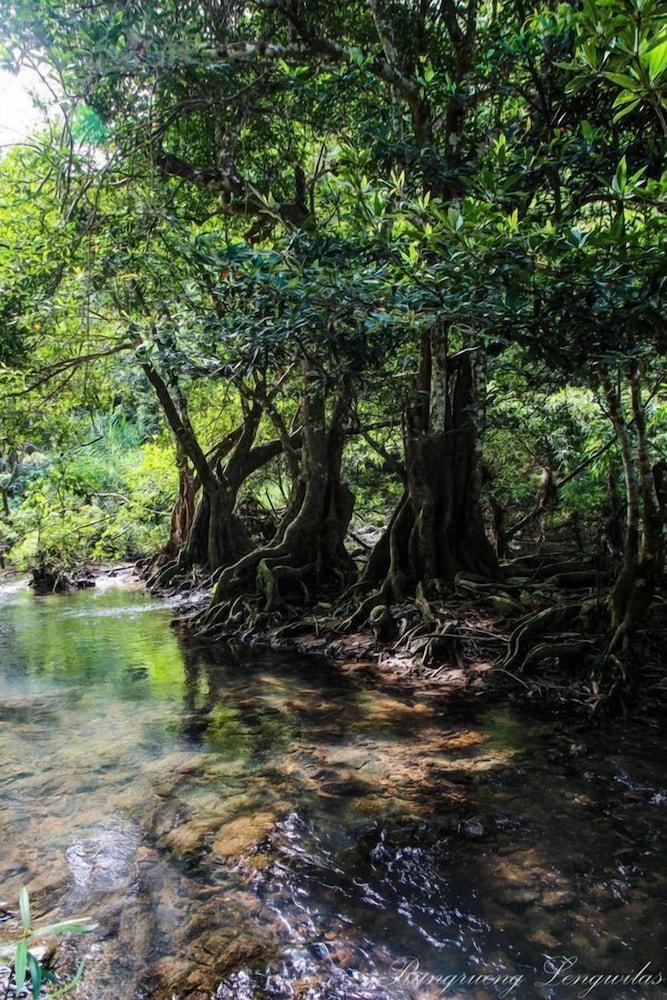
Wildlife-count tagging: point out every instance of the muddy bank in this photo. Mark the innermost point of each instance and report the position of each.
(470, 654)
(538, 635)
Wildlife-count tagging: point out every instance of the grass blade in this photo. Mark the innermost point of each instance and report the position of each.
(20, 963)
(24, 907)
(35, 976)
(76, 925)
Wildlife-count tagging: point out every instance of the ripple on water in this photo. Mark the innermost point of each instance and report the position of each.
(270, 827)
(105, 859)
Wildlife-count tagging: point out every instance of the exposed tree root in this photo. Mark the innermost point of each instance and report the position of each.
(163, 576)
(269, 575)
(428, 596)
(556, 650)
(363, 613)
(575, 578)
(533, 627)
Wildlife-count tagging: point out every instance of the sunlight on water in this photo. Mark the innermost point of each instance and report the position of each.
(266, 826)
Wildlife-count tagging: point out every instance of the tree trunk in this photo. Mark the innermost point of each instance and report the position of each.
(217, 535)
(183, 511)
(308, 552)
(438, 529)
(643, 545)
(226, 538)
(195, 550)
(652, 550)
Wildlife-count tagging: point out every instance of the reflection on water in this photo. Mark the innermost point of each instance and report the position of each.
(265, 826)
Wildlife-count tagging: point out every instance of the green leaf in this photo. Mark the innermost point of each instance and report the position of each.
(627, 82)
(35, 976)
(656, 60)
(621, 175)
(75, 925)
(624, 98)
(590, 10)
(20, 963)
(587, 131)
(24, 907)
(626, 110)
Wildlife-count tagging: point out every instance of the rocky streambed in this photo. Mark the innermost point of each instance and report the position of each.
(259, 824)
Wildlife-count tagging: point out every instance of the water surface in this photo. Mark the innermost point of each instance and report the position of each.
(268, 826)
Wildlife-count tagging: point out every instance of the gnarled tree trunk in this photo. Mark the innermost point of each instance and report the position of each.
(308, 552)
(226, 537)
(643, 544)
(437, 529)
(217, 536)
(183, 511)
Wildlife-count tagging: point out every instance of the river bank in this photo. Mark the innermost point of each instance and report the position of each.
(533, 640)
(536, 639)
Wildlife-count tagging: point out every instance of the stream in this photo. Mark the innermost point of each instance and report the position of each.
(249, 824)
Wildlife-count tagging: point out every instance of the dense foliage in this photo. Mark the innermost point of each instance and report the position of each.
(279, 272)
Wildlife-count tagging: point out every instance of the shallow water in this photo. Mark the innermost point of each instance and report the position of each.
(270, 826)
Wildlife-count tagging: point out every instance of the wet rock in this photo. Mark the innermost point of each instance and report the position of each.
(343, 956)
(382, 623)
(43, 884)
(242, 835)
(237, 987)
(146, 855)
(45, 953)
(348, 788)
(238, 953)
(472, 828)
(190, 838)
(522, 895)
(106, 858)
(170, 971)
(196, 987)
(213, 958)
(51, 580)
(503, 821)
(544, 939)
(557, 899)
(179, 763)
(259, 862)
(305, 988)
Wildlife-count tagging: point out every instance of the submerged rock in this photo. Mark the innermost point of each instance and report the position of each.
(242, 835)
(190, 838)
(557, 899)
(472, 828)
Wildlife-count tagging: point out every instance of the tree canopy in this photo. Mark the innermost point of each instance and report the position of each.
(331, 267)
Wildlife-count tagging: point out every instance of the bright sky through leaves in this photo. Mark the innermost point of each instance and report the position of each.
(18, 114)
